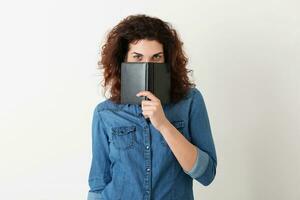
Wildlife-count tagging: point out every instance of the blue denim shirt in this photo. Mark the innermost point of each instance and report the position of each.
(132, 161)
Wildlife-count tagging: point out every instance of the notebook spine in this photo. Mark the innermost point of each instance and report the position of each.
(146, 79)
(151, 77)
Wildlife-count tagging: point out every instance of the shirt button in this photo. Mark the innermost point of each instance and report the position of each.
(147, 147)
(148, 169)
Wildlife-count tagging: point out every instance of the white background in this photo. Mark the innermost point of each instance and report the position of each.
(245, 57)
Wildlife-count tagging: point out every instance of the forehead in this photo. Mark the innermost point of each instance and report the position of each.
(145, 46)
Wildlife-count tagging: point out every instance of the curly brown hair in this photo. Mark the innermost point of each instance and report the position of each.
(134, 28)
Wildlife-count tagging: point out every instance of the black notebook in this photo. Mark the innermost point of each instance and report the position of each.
(150, 76)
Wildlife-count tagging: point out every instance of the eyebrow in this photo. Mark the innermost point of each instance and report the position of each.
(142, 54)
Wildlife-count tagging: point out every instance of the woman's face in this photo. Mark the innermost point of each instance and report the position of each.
(145, 51)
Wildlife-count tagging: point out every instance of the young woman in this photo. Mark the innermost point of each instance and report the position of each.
(152, 151)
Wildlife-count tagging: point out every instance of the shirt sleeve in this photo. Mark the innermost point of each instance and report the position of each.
(204, 169)
(200, 165)
(99, 175)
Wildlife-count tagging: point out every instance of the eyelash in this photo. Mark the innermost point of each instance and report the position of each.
(138, 56)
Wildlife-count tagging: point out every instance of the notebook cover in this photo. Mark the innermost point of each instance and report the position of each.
(138, 76)
(162, 82)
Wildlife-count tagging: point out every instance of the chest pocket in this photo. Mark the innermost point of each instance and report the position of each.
(123, 137)
(179, 125)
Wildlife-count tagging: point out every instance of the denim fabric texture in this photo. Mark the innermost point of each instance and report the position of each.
(132, 161)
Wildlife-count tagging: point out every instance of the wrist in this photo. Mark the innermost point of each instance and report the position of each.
(163, 125)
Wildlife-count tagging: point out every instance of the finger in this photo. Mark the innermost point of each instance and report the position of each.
(148, 102)
(148, 94)
(149, 108)
(147, 113)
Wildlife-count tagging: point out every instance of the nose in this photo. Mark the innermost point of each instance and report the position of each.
(147, 60)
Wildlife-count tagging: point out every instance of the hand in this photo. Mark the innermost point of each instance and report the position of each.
(152, 109)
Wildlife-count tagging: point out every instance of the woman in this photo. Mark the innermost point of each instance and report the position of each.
(152, 151)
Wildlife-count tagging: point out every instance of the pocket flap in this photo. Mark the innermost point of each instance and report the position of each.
(178, 123)
(123, 130)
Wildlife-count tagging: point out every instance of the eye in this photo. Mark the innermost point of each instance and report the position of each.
(157, 56)
(137, 56)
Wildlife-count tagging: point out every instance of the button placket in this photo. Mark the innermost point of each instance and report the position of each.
(147, 153)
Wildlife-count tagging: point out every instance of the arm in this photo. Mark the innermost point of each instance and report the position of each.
(185, 152)
(99, 174)
(198, 159)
